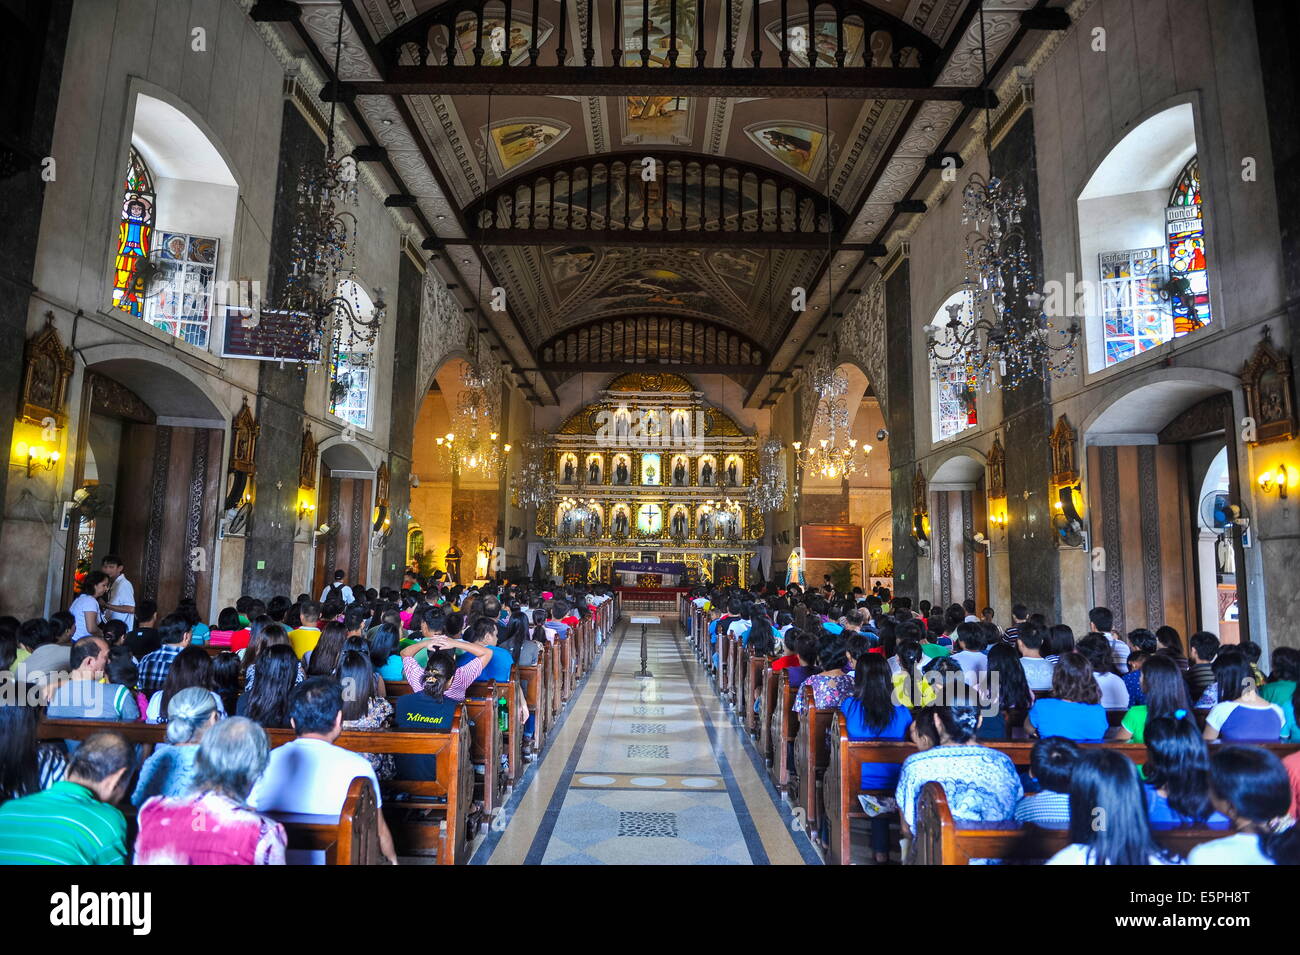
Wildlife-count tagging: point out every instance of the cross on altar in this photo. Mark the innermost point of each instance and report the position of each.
(651, 512)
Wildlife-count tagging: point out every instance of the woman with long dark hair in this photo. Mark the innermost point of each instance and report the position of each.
(1005, 690)
(1108, 815)
(871, 711)
(1241, 713)
(1177, 774)
(26, 765)
(192, 667)
(1165, 692)
(1114, 693)
(363, 709)
(324, 657)
(1075, 709)
(267, 701)
(1171, 646)
(384, 656)
(1250, 786)
(1059, 641)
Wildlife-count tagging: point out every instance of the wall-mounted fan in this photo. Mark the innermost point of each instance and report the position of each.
(1213, 511)
(91, 501)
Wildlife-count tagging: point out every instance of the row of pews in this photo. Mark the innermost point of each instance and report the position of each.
(818, 769)
(441, 817)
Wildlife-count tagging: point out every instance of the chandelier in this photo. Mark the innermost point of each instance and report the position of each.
(322, 255)
(578, 515)
(726, 517)
(473, 447)
(532, 484)
(1005, 332)
(768, 489)
(836, 455)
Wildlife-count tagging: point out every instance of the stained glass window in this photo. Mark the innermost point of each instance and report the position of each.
(350, 359)
(1135, 315)
(179, 298)
(955, 399)
(134, 234)
(1185, 236)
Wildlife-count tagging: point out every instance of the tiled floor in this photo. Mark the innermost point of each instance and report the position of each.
(646, 771)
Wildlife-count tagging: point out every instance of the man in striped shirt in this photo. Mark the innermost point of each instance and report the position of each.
(73, 822)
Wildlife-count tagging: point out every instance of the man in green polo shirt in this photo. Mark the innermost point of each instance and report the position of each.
(73, 822)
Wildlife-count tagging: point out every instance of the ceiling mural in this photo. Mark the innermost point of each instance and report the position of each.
(452, 149)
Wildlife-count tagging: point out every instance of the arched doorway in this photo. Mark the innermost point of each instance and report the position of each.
(958, 512)
(147, 478)
(345, 495)
(1158, 457)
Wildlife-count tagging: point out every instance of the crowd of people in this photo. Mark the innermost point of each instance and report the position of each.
(316, 667)
(951, 680)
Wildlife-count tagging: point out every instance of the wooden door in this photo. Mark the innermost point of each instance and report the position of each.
(348, 505)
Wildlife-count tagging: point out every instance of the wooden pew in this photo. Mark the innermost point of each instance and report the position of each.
(351, 838)
(735, 670)
(442, 805)
(512, 739)
(841, 781)
(766, 706)
(811, 757)
(485, 744)
(566, 667)
(751, 690)
(554, 680)
(785, 727)
(533, 681)
(941, 840)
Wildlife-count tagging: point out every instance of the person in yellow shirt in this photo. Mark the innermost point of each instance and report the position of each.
(304, 639)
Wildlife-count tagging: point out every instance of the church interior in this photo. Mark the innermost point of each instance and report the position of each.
(670, 366)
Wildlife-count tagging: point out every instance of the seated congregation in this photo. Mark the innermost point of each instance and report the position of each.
(936, 736)
(353, 729)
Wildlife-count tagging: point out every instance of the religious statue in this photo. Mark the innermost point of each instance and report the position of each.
(568, 471)
(679, 524)
(731, 474)
(679, 474)
(620, 523)
(705, 525)
(452, 559)
(593, 472)
(794, 569)
(620, 473)
(595, 524)
(566, 524)
(706, 473)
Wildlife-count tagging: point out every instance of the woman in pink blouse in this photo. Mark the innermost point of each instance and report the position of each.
(213, 825)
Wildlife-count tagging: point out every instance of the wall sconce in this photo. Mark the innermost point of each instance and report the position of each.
(998, 519)
(305, 510)
(35, 458)
(1066, 514)
(1279, 478)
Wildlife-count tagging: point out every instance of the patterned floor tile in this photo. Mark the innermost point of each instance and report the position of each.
(648, 824)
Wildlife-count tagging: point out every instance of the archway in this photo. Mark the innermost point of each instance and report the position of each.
(148, 477)
(959, 564)
(345, 496)
(1156, 453)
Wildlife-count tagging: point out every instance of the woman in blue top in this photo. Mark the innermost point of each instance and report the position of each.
(384, 645)
(1075, 712)
(872, 712)
(1177, 773)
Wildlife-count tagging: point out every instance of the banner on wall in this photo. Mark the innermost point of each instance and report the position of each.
(533, 559)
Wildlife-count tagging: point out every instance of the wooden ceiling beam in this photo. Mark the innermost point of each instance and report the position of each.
(654, 239)
(859, 83)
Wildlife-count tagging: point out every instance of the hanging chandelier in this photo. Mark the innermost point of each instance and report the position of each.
(769, 488)
(835, 456)
(1002, 333)
(533, 484)
(577, 516)
(322, 255)
(473, 448)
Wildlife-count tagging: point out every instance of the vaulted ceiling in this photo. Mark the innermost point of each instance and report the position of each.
(639, 179)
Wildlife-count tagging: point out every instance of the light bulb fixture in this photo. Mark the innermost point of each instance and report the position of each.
(1277, 480)
(34, 457)
(836, 455)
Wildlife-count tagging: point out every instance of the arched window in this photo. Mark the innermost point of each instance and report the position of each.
(952, 393)
(350, 357)
(134, 235)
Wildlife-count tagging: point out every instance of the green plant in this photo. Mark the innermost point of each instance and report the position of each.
(841, 576)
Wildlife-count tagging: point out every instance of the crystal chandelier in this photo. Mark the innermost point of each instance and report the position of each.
(473, 447)
(533, 484)
(836, 455)
(768, 490)
(577, 516)
(322, 254)
(1005, 333)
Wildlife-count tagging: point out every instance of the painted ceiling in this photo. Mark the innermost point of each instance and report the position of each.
(858, 152)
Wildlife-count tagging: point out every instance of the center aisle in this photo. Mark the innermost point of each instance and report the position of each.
(647, 771)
